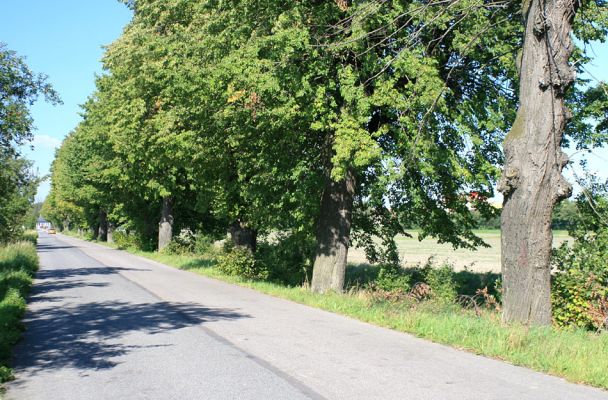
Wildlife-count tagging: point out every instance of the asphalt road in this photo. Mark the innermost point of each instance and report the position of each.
(104, 324)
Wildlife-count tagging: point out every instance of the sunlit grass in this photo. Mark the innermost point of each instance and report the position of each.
(18, 263)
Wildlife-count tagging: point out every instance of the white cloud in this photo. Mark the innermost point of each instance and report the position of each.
(45, 142)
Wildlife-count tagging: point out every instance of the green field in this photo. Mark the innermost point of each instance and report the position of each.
(484, 259)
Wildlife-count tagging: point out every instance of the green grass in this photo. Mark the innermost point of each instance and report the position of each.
(18, 263)
(578, 356)
(30, 236)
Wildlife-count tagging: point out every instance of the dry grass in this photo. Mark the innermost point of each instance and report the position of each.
(413, 251)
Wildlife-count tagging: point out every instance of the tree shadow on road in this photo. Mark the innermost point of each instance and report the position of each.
(51, 281)
(47, 248)
(87, 336)
(64, 332)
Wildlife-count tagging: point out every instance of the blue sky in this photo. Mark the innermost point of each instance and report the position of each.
(64, 39)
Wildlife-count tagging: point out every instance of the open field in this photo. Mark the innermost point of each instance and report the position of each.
(486, 259)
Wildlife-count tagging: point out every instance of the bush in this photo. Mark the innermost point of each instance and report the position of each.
(190, 243)
(18, 263)
(30, 236)
(203, 244)
(393, 278)
(132, 240)
(240, 262)
(580, 283)
(441, 281)
(289, 259)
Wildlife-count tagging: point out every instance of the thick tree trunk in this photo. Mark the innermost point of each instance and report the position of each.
(532, 182)
(110, 232)
(333, 235)
(103, 226)
(165, 227)
(243, 236)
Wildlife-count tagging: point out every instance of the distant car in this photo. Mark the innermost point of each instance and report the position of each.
(52, 231)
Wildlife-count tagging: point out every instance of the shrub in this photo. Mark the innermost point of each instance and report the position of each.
(393, 278)
(190, 243)
(240, 262)
(580, 283)
(132, 240)
(441, 281)
(203, 244)
(30, 236)
(289, 259)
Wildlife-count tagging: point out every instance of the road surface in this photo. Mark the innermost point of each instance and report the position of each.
(104, 324)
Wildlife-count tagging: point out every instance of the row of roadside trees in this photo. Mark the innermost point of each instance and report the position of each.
(19, 89)
(335, 121)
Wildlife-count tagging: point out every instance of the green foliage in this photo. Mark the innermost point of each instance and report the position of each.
(240, 262)
(19, 89)
(565, 215)
(32, 216)
(30, 236)
(580, 283)
(131, 240)
(18, 264)
(17, 191)
(441, 281)
(390, 279)
(188, 242)
(288, 258)
(241, 111)
(485, 222)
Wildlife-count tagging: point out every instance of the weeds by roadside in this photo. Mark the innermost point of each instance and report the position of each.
(18, 263)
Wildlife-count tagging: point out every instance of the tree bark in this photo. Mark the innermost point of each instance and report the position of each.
(532, 183)
(165, 227)
(103, 226)
(243, 236)
(110, 232)
(333, 235)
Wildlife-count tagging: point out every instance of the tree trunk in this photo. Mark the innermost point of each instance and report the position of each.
(103, 226)
(110, 232)
(532, 182)
(333, 235)
(165, 227)
(242, 236)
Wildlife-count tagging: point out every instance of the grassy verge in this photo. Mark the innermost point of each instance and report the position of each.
(578, 356)
(18, 263)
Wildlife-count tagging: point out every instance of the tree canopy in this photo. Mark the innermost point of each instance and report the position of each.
(340, 121)
(19, 89)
